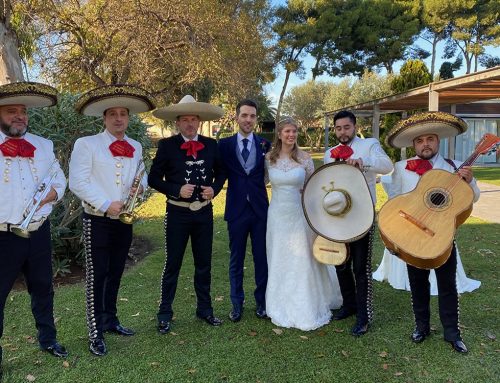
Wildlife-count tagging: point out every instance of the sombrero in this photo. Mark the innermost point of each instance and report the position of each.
(337, 202)
(29, 94)
(188, 106)
(96, 101)
(442, 124)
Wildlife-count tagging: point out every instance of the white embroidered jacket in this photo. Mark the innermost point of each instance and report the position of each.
(96, 176)
(22, 176)
(374, 159)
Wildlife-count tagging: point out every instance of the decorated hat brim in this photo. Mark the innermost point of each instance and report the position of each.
(347, 227)
(96, 101)
(29, 94)
(444, 125)
(205, 111)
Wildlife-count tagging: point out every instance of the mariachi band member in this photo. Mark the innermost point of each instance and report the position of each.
(102, 171)
(32, 183)
(188, 170)
(423, 132)
(355, 277)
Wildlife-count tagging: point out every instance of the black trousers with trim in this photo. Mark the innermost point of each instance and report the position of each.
(107, 243)
(182, 224)
(33, 257)
(447, 296)
(355, 279)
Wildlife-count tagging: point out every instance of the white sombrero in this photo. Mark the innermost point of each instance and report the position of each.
(442, 124)
(337, 202)
(188, 106)
(96, 101)
(29, 94)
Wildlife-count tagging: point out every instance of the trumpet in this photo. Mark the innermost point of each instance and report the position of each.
(128, 215)
(41, 192)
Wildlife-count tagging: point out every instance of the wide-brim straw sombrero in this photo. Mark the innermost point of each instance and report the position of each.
(96, 101)
(29, 94)
(337, 202)
(443, 124)
(188, 106)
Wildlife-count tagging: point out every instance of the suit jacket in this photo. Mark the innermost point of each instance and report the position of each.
(172, 168)
(404, 181)
(243, 187)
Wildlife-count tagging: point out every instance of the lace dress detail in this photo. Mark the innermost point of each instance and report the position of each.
(300, 292)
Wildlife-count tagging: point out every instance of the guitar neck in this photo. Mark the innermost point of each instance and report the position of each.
(469, 161)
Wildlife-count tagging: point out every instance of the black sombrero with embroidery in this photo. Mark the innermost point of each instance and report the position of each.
(29, 94)
(442, 124)
(96, 101)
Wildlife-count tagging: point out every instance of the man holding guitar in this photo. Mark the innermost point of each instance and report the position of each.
(423, 132)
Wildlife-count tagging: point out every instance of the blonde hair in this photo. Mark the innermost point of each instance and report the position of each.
(277, 144)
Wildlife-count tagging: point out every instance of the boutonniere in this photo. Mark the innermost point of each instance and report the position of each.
(264, 145)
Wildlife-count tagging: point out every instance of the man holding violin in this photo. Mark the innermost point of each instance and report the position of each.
(30, 171)
(103, 172)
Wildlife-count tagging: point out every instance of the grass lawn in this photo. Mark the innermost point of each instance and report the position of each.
(251, 350)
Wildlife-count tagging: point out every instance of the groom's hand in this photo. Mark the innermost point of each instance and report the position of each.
(207, 193)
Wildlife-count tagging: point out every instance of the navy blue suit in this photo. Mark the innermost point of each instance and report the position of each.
(246, 213)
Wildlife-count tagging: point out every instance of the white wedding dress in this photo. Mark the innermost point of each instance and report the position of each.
(300, 292)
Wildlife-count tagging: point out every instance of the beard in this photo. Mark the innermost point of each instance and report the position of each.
(346, 140)
(427, 154)
(10, 131)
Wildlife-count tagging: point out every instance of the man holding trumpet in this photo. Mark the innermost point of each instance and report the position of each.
(105, 169)
(32, 182)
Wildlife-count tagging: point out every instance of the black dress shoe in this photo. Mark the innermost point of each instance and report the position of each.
(359, 329)
(459, 346)
(163, 326)
(343, 313)
(120, 330)
(261, 313)
(418, 336)
(98, 347)
(212, 320)
(57, 350)
(235, 314)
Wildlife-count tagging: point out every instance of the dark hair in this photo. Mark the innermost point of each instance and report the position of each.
(247, 102)
(106, 111)
(344, 114)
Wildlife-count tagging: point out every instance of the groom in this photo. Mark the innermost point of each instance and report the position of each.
(246, 206)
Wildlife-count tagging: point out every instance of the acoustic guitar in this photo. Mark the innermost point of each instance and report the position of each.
(419, 226)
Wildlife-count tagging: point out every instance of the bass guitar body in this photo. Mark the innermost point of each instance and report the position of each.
(419, 226)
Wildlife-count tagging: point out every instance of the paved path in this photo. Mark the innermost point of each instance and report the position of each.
(488, 206)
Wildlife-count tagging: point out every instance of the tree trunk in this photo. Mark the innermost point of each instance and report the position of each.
(433, 57)
(280, 102)
(10, 62)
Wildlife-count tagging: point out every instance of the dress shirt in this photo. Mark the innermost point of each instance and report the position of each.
(240, 137)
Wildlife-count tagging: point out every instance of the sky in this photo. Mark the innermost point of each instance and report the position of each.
(273, 89)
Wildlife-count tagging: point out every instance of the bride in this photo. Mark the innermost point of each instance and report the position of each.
(299, 290)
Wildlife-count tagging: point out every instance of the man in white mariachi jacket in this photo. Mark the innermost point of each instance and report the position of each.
(423, 131)
(102, 171)
(28, 165)
(355, 276)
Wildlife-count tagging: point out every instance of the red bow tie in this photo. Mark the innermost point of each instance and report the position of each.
(192, 147)
(122, 148)
(341, 152)
(418, 166)
(17, 147)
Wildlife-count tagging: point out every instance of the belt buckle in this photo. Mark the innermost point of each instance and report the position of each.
(195, 206)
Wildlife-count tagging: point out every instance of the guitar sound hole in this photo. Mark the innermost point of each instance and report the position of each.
(438, 199)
